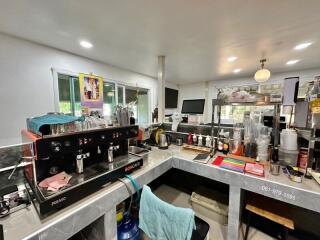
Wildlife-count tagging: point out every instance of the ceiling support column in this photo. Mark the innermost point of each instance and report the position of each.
(161, 88)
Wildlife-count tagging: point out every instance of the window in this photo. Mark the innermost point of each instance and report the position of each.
(232, 114)
(109, 98)
(137, 99)
(138, 102)
(121, 95)
(69, 95)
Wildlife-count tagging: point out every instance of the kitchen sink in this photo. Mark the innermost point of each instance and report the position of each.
(138, 150)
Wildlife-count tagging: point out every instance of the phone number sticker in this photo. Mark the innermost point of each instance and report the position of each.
(278, 193)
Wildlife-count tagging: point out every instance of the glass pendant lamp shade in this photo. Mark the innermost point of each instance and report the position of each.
(262, 74)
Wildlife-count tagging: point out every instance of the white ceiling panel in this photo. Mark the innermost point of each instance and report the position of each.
(196, 36)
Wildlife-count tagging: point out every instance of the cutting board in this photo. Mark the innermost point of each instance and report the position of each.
(196, 148)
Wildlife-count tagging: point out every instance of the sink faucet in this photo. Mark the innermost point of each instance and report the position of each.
(110, 152)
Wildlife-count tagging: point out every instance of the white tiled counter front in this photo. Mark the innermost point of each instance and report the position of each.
(26, 224)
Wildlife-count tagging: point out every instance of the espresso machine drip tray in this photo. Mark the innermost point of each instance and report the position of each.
(81, 185)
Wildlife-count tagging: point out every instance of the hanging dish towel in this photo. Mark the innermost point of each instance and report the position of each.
(36, 124)
(163, 221)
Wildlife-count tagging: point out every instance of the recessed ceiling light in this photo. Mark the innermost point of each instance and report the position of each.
(237, 70)
(86, 44)
(232, 59)
(302, 46)
(291, 62)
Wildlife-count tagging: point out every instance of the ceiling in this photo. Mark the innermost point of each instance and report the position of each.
(196, 36)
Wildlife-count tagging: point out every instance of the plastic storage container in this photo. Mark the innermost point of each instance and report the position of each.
(212, 208)
(289, 139)
(288, 157)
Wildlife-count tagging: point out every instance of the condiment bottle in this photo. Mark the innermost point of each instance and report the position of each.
(275, 155)
(200, 140)
(190, 138)
(194, 139)
(226, 143)
(274, 166)
(208, 141)
(220, 141)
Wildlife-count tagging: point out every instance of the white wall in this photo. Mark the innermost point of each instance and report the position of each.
(198, 90)
(27, 83)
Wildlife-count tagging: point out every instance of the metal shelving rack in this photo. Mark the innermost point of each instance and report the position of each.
(218, 103)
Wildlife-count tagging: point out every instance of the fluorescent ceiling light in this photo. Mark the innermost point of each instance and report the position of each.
(237, 70)
(232, 59)
(291, 62)
(86, 44)
(302, 46)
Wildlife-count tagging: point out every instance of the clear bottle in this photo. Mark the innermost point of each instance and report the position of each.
(226, 143)
(307, 98)
(194, 139)
(208, 141)
(314, 104)
(237, 139)
(220, 141)
(247, 128)
(200, 140)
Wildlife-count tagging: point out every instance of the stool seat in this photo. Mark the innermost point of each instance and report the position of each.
(201, 231)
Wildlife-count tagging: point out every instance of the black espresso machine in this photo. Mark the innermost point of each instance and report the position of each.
(91, 158)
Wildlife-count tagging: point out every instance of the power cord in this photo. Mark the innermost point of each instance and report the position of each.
(130, 193)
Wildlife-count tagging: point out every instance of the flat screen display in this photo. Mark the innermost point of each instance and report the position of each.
(171, 98)
(194, 106)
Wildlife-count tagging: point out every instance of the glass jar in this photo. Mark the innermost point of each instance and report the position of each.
(263, 142)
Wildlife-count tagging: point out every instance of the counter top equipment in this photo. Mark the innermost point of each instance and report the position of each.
(26, 223)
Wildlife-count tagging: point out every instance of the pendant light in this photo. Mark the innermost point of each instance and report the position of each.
(262, 74)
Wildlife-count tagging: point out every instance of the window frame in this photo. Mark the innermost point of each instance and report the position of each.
(55, 72)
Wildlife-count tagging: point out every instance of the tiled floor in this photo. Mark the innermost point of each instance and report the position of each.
(217, 230)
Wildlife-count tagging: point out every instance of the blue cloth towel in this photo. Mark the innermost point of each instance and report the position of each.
(163, 221)
(34, 124)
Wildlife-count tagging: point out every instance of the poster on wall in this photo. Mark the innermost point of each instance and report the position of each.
(91, 92)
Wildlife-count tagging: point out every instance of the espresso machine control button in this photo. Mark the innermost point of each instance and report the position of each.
(56, 147)
(103, 137)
